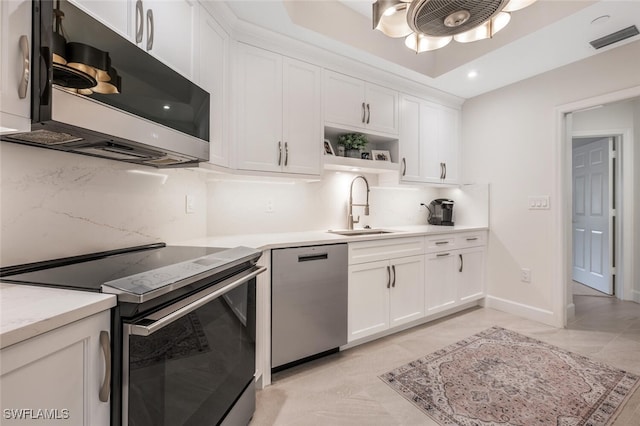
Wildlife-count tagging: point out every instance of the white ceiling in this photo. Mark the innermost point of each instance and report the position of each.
(544, 36)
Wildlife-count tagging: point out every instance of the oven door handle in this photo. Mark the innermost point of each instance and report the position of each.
(146, 330)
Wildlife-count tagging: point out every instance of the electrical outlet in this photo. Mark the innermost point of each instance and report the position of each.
(189, 204)
(525, 275)
(269, 208)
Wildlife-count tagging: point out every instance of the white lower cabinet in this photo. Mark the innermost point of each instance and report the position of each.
(57, 376)
(454, 276)
(385, 294)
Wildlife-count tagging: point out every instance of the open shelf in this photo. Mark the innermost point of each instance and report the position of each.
(348, 164)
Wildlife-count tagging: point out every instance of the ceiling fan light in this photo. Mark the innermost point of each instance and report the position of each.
(486, 30)
(421, 43)
(514, 5)
(390, 17)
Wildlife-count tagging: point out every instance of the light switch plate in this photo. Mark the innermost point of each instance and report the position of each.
(189, 204)
(539, 202)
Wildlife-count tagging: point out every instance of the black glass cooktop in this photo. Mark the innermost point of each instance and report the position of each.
(92, 274)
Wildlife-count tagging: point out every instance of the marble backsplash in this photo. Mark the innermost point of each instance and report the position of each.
(55, 204)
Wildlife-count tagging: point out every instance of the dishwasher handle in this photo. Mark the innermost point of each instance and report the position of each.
(312, 257)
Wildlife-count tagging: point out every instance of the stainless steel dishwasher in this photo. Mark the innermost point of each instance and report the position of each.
(308, 302)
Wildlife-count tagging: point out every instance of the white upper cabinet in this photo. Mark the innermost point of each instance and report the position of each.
(15, 55)
(115, 14)
(170, 27)
(358, 104)
(429, 141)
(213, 76)
(167, 29)
(278, 113)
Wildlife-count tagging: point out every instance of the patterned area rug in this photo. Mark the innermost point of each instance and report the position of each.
(499, 377)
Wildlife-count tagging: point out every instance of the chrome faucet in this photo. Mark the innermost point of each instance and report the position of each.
(350, 220)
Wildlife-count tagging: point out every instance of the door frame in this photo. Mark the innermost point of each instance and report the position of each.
(562, 198)
(615, 180)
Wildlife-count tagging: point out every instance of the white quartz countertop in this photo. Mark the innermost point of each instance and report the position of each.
(27, 311)
(306, 238)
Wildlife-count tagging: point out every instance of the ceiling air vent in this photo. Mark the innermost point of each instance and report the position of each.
(615, 37)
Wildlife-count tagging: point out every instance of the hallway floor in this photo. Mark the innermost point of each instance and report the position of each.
(344, 388)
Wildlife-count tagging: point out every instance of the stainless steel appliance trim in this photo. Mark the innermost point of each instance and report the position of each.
(202, 299)
(26, 66)
(83, 112)
(105, 344)
(126, 332)
(124, 296)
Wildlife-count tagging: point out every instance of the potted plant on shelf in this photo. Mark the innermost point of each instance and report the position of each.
(353, 144)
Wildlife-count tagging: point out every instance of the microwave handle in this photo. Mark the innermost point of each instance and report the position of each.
(146, 330)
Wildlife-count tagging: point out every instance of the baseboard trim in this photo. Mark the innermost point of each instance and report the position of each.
(571, 311)
(521, 310)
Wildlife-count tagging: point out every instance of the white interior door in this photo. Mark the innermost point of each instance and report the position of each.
(591, 217)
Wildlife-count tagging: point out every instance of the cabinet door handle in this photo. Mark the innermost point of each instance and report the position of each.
(279, 153)
(472, 239)
(286, 154)
(106, 352)
(139, 21)
(445, 170)
(461, 263)
(441, 171)
(441, 243)
(388, 277)
(26, 66)
(404, 166)
(442, 254)
(393, 268)
(364, 114)
(150, 30)
(368, 113)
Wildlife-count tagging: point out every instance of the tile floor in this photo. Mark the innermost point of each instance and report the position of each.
(344, 388)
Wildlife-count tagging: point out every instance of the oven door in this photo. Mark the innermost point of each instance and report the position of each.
(189, 363)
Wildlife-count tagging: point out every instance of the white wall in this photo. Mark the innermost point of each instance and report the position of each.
(509, 141)
(636, 263)
(240, 206)
(55, 204)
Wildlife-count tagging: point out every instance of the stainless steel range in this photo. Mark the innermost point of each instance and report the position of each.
(183, 332)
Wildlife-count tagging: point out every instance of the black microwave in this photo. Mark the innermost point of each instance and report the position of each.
(95, 92)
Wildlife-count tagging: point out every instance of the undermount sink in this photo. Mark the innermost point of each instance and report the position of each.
(356, 232)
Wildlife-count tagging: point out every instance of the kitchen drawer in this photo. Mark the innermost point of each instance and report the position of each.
(435, 243)
(471, 239)
(384, 249)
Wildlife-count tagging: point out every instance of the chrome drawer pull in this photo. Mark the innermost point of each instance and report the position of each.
(472, 239)
(106, 351)
(393, 268)
(439, 243)
(442, 254)
(24, 81)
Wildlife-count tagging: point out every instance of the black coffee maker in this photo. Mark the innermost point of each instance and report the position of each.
(440, 212)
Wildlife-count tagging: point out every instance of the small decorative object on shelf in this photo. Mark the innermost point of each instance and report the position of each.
(328, 149)
(353, 143)
(365, 156)
(379, 155)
